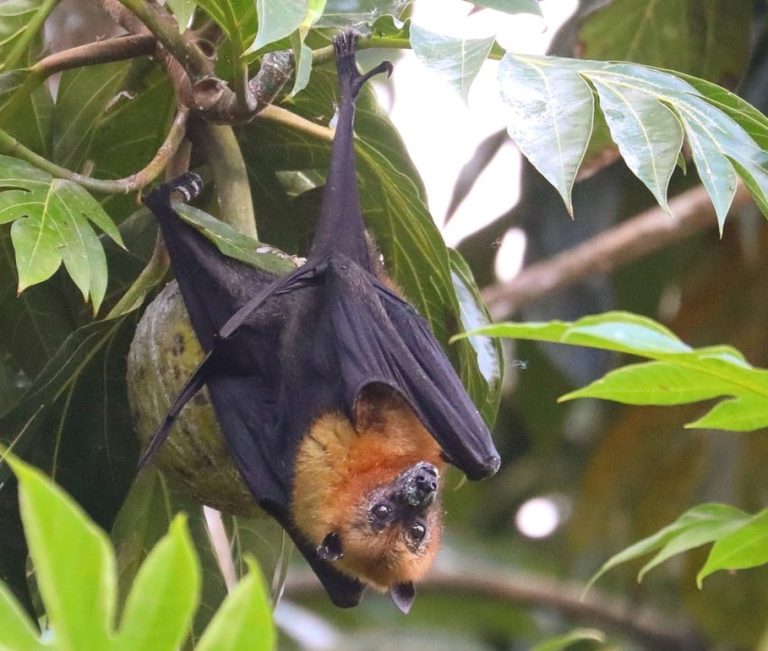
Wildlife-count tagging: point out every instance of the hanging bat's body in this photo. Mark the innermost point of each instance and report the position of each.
(338, 405)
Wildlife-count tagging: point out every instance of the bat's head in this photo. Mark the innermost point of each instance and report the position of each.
(392, 533)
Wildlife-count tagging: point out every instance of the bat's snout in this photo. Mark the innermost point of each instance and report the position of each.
(419, 484)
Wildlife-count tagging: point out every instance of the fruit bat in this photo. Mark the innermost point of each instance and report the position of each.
(337, 404)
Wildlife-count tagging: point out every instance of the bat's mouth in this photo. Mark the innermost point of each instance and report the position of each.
(416, 487)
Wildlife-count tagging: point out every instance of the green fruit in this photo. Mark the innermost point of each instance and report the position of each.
(164, 353)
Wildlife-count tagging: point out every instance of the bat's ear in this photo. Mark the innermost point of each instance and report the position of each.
(403, 595)
(330, 549)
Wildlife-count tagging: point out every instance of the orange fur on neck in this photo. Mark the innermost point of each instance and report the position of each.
(338, 466)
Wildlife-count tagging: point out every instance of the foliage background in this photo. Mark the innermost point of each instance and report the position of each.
(616, 473)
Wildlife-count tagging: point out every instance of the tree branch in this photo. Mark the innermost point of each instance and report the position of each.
(629, 241)
(652, 629)
(112, 49)
(142, 178)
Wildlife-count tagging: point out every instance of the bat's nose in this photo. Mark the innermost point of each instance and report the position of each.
(426, 478)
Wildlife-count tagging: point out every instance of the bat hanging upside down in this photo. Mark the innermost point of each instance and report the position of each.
(338, 405)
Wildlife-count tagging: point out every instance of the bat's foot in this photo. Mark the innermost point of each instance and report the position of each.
(350, 80)
(188, 185)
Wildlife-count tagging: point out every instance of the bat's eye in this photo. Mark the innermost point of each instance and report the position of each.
(418, 531)
(381, 512)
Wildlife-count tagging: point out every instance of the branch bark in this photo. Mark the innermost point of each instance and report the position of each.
(652, 629)
(631, 240)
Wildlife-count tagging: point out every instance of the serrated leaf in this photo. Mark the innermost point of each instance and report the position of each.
(244, 620)
(511, 6)
(652, 383)
(722, 149)
(164, 595)
(277, 19)
(569, 639)
(51, 225)
(700, 519)
(79, 597)
(456, 60)
(649, 145)
(550, 117)
(743, 548)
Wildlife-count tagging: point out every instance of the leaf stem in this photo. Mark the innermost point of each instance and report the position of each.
(20, 47)
(281, 116)
(225, 159)
(12, 147)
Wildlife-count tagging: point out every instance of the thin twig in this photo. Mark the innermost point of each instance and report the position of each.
(142, 178)
(653, 629)
(629, 241)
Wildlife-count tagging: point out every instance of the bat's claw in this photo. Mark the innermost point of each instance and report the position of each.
(345, 47)
(188, 185)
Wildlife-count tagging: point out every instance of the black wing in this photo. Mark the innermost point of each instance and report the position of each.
(381, 339)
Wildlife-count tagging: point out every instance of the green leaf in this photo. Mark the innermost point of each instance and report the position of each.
(351, 13)
(234, 244)
(15, 17)
(164, 595)
(51, 225)
(489, 359)
(569, 639)
(244, 620)
(456, 60)
(684, 35)
(237, 19)
(681, 374)
(743, 548)
(277, 19)
(83, 96)
(548, 110)
(79, 596)
(302, 55)
(183, 10)
(511, 6)
(550, 116)
(652, 383)
(619, 331)
(17, 633)
(742, 414)
(699, 525)
(650, 145)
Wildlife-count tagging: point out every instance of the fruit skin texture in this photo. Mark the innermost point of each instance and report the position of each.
(163, 354)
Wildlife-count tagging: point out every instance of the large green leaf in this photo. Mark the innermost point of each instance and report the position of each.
(456, 60)
(79, 597)
(244, 620)
(15, 19)
(680, 374)
(164, 595)
(684, 35)
(746, 546)
(698, 526)
(81, 101)
(237, 19)
(551, 113)
(16, 631)
(277, 19)
(550, 117)
(52, 225)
